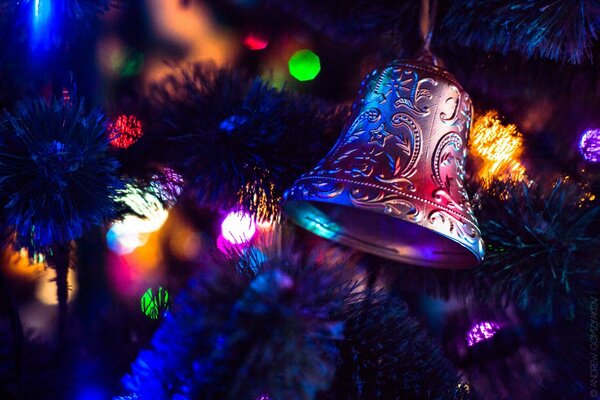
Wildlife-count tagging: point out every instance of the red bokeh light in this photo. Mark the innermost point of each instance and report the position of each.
(254, 41)
(124, 131)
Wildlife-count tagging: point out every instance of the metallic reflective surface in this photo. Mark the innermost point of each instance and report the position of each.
(393, 185)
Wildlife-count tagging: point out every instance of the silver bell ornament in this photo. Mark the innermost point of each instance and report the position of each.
(393, 185)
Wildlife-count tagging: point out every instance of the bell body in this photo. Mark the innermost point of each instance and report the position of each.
(393, 185)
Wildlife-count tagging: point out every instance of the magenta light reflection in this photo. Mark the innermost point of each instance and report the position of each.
(481, 331)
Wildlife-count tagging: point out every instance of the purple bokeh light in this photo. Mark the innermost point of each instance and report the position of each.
(481, 331)
(589, 145)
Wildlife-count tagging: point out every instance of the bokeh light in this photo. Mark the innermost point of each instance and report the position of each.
(45, 291)
(238, 227)
(304, 65)
(126, 62)
(20, 264)
(589, 145)
(131, 232)
(155, 304)
(254, 41)
(124, 236)
(481, 331)
(167, 185)
(124, 131)
(497, 149)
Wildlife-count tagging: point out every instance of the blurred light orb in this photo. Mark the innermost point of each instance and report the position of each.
(126, 62)
(304, 65)
(123, 237)
(132, 232)
(589, 145)
(168, 185)
(124, 131)
(45, 290)
(155, 305)
(498, 148)
(254, 42)
(481, 331)
(238, 227)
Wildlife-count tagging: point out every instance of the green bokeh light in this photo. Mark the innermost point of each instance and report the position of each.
(126, 62)
(304, 65)
(155, 305)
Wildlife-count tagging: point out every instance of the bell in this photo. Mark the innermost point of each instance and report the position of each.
(393, 185)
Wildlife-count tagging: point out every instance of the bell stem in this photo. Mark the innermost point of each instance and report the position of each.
(426, 25)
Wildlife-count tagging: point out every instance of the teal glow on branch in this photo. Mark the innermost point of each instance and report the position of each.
(304, 65)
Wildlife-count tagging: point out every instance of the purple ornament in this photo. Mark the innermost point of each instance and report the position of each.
(481, 331)
(263, 397)
(589, 145)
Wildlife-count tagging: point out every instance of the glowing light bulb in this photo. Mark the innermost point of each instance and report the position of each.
(238, 227)
(304, 65)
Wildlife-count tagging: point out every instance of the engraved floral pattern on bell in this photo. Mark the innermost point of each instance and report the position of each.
(402, 155)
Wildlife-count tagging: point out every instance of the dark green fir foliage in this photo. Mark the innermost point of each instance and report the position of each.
(562, 30)
(57, 176)
(387, 354)
(241, 330)
(234, 138)
(542, 245)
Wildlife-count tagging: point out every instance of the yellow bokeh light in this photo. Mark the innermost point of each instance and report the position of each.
(497, 149)
(194, 27)
(20, 264)
(45, 291)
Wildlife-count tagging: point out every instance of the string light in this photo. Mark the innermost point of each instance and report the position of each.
(498, 148)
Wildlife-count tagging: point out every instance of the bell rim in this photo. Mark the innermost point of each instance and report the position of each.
(290, 207)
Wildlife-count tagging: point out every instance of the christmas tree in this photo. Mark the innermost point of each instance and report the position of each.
(256, 199)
